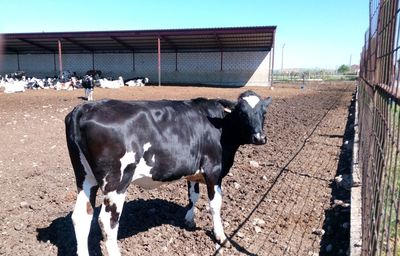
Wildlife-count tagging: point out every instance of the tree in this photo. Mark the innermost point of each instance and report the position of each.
(343, 69)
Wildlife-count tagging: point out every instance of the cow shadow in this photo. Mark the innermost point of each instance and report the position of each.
(137, 216)
(337, 217)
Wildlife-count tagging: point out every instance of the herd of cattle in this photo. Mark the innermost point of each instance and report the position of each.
(19, 82)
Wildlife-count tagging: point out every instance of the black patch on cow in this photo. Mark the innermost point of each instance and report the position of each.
(126, 178)
(114, 214)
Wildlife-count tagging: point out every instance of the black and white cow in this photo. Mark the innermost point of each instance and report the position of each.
(114, 143)
(88, 85)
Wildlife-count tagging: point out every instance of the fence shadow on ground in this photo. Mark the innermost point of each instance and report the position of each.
(137, 216)
(336, 239)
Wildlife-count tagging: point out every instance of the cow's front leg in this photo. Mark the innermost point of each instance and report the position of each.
(109, 220)
(90, 97)
(215, 197)
(193, 193)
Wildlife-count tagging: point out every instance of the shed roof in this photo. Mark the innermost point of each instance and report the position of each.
(260, 38)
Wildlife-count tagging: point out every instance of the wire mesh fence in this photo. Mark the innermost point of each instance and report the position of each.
(379, 115)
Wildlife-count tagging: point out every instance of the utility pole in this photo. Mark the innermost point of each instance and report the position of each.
(350, 62)
(283, 46)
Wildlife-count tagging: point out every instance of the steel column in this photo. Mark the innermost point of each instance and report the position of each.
(133, 61)
(60, 58)
(176, 61)
(272, 61)
(93, 61)
(159, 60)
(19, 68)
(54, 63)
(222, 57)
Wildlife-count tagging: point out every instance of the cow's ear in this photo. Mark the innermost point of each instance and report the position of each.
(266, 102)
(227, 104)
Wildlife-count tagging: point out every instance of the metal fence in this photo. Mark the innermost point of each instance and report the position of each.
(378, 125)
(318, 76)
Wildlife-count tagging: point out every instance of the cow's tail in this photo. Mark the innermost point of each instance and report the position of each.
(72, 126)
(73, 136)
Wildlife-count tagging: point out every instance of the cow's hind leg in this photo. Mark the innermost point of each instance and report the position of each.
(109, 220)
(193, 192)
(215, 197)
(90, 97)
(83, 213)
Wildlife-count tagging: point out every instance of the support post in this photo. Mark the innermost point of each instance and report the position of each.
(176, 60)
(222, 60)
(60, 58)
(19, 67)
(133, 61)
(159, 61)
(272, 57)
(54, 64)
(283, 47)
(93, 61)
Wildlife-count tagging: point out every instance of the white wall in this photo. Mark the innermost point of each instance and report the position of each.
(238, 68)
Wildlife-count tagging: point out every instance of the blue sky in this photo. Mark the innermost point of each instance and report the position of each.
(316, 33)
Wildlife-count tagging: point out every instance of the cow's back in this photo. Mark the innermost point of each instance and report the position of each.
(168, 139)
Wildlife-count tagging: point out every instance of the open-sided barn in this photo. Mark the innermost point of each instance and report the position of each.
(214, 56)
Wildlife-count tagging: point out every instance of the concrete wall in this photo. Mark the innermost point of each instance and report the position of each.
(210, 68)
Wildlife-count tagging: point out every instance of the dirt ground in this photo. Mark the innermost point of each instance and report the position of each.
(276, 206)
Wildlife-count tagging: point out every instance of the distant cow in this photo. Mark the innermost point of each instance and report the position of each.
(137, 81)
(88, 85)
(114, 143)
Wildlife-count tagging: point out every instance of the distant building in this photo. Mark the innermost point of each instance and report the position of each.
(236, 56)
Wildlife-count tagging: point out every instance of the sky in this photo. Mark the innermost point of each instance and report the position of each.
(310, 33)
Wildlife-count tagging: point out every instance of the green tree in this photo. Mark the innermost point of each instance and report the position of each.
(343, 69)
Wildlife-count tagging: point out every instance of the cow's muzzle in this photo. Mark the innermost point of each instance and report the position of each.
(259, 139)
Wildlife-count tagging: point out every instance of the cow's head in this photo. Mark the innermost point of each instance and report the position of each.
(249, 115)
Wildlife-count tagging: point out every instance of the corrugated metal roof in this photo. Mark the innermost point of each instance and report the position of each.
(172, 40)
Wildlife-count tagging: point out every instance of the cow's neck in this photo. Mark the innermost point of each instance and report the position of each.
(230, 143)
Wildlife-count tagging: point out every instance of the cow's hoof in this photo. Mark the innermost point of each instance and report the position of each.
(225, 243)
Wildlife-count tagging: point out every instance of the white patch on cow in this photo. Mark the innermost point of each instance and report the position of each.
(128, 158)
(104, 183)
(109, 232)
(146, 146)
(215, 207)
(252, 100)
(85, 164)
(142, 176)
(81, 217)
(190, 214)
